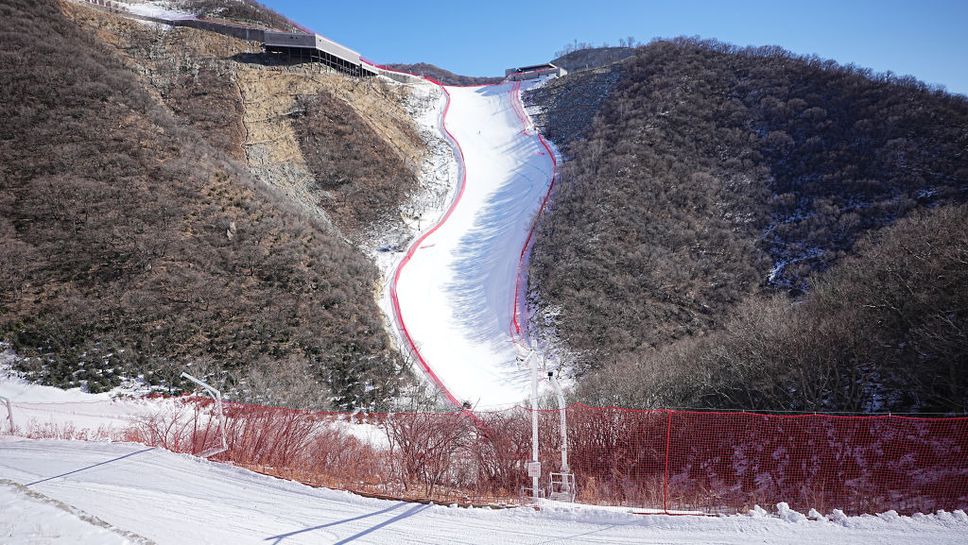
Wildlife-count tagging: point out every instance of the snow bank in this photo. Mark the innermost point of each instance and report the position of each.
(45, 411)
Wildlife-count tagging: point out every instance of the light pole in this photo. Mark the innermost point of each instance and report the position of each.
(563, 420)
(217, 396)
(564, 480)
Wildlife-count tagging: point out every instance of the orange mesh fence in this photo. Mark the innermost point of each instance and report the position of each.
(670, 461)
(723, 461)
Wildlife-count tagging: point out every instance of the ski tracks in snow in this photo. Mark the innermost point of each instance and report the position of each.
(174, 499)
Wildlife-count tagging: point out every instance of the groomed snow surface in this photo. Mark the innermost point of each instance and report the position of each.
(29, 517)
(456, 291)
(181, 500)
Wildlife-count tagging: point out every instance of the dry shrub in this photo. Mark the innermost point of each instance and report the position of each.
(70, 432)
(428, 449)
(714, 462)
(187, 427)
(345, 461)
(501, 450)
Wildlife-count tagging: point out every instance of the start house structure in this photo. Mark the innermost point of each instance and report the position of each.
(296, 46)
(302, 47)
(533, 72)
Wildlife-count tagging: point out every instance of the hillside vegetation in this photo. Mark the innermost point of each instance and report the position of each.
(442, 75)
(362, 177)
(886, 329)
(247, 12)
(713, 188)
(585, 58)
(133, 239)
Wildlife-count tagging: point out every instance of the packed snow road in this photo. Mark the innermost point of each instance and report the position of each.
(455, 290)
(179, 500)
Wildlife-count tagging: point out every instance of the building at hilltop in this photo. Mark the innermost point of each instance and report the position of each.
(299, 46)
(533, 72)
(303, 47)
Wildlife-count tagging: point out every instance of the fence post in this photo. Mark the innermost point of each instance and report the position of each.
(665, 479)
(220, 414)
(6, 402)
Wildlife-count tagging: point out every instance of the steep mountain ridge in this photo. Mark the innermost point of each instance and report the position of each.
(245, 12)
(442, 75)
(592, 57)
(171, 197)
(712, 177)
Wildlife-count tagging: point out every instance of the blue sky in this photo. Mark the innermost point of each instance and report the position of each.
(927, 39)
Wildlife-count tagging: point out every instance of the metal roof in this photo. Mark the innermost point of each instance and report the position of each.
(310, 41)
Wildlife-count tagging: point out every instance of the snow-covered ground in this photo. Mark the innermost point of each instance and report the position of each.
(180, 500)
(437, 174)
(155, 8)
(456, 291)
(55, 491)
(29, 517)
(45, 412)
(53, 412)
(159, 9)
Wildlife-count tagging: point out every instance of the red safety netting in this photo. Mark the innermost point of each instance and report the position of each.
(670, 461)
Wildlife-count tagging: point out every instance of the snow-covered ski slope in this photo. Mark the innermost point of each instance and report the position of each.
(454, 293)
(180, 500)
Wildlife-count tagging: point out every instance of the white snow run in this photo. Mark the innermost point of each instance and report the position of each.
(179, 500)
(456, 289)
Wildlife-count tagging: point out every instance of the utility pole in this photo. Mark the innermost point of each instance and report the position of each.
(526, 356)
(534, 468)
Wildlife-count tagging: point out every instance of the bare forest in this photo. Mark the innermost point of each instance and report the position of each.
(745, 228)
(136, 242)
(442, 75)
(733, 228)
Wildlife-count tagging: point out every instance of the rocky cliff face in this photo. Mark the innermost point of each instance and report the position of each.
(565, 108)
(258, 113)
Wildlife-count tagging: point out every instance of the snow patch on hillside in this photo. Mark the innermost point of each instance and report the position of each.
(160, 9)
(156, 8)
(437, 179)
